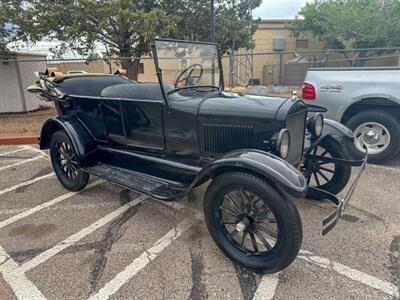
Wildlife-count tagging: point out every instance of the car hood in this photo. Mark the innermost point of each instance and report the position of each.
(234, 105)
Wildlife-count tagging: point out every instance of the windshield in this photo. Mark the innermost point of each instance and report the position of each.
(188, 64)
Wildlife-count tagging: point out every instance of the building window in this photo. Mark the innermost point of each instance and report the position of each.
(278, 44)
(301, 44)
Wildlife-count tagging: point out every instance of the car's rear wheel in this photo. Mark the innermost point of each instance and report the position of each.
(330, 177)
(66, 163)
(252, 223)
(379, 131)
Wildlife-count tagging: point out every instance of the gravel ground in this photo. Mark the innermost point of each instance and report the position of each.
(25, 123)
(108, 242)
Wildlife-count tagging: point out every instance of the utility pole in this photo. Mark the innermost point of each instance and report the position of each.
(213, 41)
(385, 4)
(212, 22)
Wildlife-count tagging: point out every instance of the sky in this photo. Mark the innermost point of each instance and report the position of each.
(278, 9)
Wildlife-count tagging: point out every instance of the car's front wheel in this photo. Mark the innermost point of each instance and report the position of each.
(65, 162)
(327, 176)
(379, 131)
(252, 223)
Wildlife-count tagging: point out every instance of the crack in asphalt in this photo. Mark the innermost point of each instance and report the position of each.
(198, 290)
(111, 235)
(394, 260)
(247, 281)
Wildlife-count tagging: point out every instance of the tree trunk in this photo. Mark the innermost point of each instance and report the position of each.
(360, 59)
(130, 60)
(132, 67)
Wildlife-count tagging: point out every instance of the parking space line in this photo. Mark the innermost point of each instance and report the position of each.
(44, 256)
(111, 287)
(22, 287)
(28, 182)
(267, 287)
(78, 207)
(14, 151)
(33, 149)
(22, 162)
(356, 275)
(44, 205)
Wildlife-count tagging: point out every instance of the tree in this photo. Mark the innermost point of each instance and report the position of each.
(125, 27)
(358, 24)
(234, 23)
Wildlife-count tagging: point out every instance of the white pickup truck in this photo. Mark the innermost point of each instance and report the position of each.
(367, 100)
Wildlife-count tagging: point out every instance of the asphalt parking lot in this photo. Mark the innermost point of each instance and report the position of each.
(108, 242)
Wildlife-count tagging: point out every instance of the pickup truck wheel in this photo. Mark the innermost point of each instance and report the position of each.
(65, 162)
(379, 131)
(329, 177)
(252, 223)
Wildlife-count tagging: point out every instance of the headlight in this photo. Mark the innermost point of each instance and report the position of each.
(319, 124)
(315, 125)
(283, 143)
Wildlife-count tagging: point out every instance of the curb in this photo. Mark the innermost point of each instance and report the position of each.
(15, 139)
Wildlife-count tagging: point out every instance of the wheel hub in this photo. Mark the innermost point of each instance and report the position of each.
(248, 221)
(244, 224)
(371, 137)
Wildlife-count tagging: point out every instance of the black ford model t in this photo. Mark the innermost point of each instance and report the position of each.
(165, 139)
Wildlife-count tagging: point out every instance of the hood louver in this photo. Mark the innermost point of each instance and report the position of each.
(221, 138)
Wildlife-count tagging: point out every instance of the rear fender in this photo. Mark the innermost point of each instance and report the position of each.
(275, 170)
(80, 138)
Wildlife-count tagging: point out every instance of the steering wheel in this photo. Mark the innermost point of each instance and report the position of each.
(187, 76)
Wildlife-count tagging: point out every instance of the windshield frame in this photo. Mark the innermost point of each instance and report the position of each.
(159, 70)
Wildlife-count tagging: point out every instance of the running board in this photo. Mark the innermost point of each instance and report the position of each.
(156, 187)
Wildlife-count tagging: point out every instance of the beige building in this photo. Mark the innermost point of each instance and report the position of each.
(275, 48)
(273, 36)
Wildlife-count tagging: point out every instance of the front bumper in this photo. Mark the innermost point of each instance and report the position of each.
(329, 222)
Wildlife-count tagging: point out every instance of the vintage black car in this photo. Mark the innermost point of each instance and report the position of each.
(165, 139)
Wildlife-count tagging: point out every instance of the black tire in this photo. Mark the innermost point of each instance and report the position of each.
(289, 232)
(75, 181)
(336, 179)
(388, 121)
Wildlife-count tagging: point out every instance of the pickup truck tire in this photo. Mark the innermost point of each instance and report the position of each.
(387, 130)
(252, 223)
(65, 162)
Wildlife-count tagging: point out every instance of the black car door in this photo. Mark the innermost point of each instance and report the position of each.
(134, 122)
(113, 120)
(143, 123)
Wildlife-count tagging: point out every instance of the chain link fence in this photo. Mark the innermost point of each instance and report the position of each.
(246, 68)
(242, 68)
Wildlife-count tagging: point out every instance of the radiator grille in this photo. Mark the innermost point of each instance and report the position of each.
(295, 123)
(221, 138)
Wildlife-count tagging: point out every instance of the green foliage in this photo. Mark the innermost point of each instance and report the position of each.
(359, 24)
(125, 27)
(234, 24)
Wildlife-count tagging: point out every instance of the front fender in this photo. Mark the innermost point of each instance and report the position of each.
(80, 138)
(274, 169)
(334, 130)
